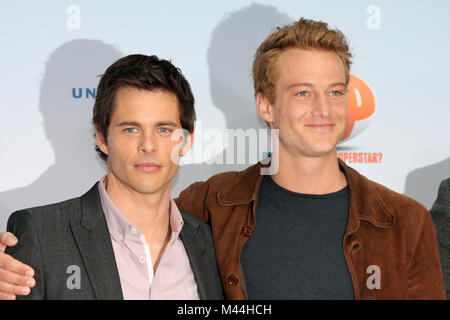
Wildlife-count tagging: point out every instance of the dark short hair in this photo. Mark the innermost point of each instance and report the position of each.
(146, 73)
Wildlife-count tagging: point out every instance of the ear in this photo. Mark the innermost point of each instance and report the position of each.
(265, 108)
(101, 141)
(188, 143)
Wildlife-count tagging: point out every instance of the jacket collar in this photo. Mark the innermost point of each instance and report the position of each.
(91, 233)
(366, 202)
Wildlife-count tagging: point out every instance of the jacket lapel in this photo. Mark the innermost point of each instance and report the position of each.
(195, 248)
(92, 236)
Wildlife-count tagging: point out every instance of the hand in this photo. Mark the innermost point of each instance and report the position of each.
(15, 276)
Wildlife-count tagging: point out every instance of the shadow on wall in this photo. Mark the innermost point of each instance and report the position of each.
(422, 184)
(230, 56)
(68, 126)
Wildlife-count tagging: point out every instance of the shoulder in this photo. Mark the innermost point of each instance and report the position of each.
(48, 212)
(442, 202)
(440, 212)
(51, 212)
(216, 182)
(396, 201)
(221, 181)
(378, 198)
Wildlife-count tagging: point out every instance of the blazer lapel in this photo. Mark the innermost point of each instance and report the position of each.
(92, 236)
(195, 248)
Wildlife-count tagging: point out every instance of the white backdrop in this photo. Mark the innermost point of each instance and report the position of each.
(53, 51)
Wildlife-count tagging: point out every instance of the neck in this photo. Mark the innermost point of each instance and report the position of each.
(309, 175)
(148, 212)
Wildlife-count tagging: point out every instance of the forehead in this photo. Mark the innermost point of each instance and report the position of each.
(145, 105)
(313, 66)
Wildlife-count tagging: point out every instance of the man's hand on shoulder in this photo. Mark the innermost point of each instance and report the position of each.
(16, 278)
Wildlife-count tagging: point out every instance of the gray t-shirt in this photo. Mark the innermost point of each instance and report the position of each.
(295, 250)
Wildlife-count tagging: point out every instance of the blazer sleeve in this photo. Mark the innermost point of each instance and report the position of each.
(440, 213)
(27, 250)
(193, 200)
(425, 280)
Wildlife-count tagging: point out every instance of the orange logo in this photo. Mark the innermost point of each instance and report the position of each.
(361, 107)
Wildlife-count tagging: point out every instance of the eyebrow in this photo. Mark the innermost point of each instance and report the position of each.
(335, 84)
(137, 124)
(167, 123)
(128, 123)
(300, 84)
(308, 84)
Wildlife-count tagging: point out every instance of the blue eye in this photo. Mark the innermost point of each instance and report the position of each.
(164, 131)
(336, 93)
(130, 130)
(302, 93)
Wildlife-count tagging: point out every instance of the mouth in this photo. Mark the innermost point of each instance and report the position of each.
(321, 126)
(148, 166)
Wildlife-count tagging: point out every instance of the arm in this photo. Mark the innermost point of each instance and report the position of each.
(193, 200)
(28, 250)
(440, 213)
(16, 278)
(424, 270)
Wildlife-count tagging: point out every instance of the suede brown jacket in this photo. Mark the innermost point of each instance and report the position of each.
(384, 229)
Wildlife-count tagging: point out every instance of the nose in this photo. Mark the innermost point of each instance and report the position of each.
(148, 143)
(321, 106)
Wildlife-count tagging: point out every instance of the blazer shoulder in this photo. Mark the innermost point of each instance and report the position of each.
(445, 185)
(442, 202)
(49, 210)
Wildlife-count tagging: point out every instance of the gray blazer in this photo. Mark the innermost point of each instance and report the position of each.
(440, 212)
(69, 246)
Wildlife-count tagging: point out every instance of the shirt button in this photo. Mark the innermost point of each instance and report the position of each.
(247, 231)
(133, 230)
(233, 280)
(142, 259)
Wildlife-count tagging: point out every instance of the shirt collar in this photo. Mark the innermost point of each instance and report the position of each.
(176, 221)
(121, 229)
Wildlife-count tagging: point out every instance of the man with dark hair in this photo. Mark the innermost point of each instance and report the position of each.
(125, 238)
(314, 228)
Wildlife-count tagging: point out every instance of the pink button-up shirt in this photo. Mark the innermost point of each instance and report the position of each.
(173, 279)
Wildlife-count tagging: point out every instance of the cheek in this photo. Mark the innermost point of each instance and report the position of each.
(342, 111)
(292, 113)
(121, 149)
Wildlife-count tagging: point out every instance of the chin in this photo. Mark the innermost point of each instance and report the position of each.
(320, 150)
(145, 187)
